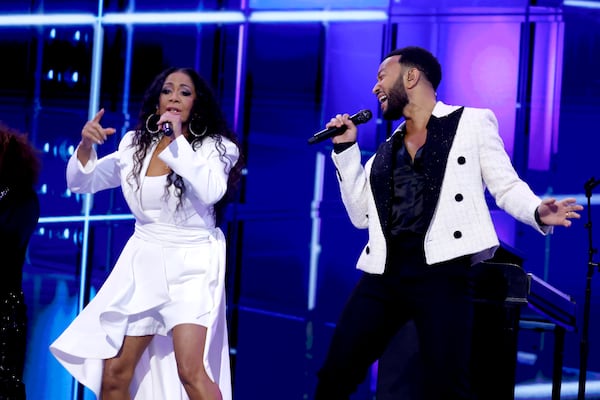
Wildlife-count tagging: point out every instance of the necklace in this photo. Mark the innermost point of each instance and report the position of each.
(3, 192)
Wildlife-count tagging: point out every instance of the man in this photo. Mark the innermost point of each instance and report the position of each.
(421, 197)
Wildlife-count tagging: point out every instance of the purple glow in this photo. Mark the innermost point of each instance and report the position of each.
(481, 64)
(560, 37)
(238, 76)
(545, 95)
(506, 227)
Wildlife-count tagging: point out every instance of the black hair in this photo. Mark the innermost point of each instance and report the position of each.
(421, 59)
(20, 161)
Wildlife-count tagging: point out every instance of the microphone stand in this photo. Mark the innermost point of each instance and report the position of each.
(584, 345)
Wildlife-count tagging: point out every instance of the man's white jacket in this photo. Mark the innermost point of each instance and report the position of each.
(477, 160)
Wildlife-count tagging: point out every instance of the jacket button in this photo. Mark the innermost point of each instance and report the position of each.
(367, 250)
(461, 160)
(458, 197)
(457, 234)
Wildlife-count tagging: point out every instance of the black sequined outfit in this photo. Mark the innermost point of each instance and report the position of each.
(13, 334)
(19, 213)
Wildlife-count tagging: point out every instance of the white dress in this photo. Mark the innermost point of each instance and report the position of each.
(171, 271)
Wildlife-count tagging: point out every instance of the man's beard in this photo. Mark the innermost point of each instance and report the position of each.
(396, 101)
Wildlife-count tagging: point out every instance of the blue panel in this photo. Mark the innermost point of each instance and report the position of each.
(278, 358)
(59, 6)
(52, 6)
(185, 5)
(270, 358)
(275, 256)
(317, 4)
(351, 72)
(284, 76)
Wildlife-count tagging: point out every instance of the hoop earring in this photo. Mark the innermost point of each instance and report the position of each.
(197, 135)
(148, 124)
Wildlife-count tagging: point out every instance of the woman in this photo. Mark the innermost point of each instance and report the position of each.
(19, 213)
(156, 329)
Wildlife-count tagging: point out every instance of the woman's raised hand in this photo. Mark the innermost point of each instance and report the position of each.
(94, 133)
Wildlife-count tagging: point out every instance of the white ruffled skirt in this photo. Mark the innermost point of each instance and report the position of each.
(164, 276)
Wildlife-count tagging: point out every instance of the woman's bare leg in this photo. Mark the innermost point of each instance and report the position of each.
(188, 341)
(118, 371)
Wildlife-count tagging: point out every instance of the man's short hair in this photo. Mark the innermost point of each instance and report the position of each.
(421, 59)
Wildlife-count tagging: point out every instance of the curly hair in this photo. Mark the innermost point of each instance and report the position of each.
(205, 114)
(19, 160)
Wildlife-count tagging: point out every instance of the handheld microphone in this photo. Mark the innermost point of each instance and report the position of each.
(359, 118)
(167, 128)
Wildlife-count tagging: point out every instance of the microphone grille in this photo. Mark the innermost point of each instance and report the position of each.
(362, 116)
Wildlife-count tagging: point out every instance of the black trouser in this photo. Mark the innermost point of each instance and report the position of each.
(437, 298)
(399, 368)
